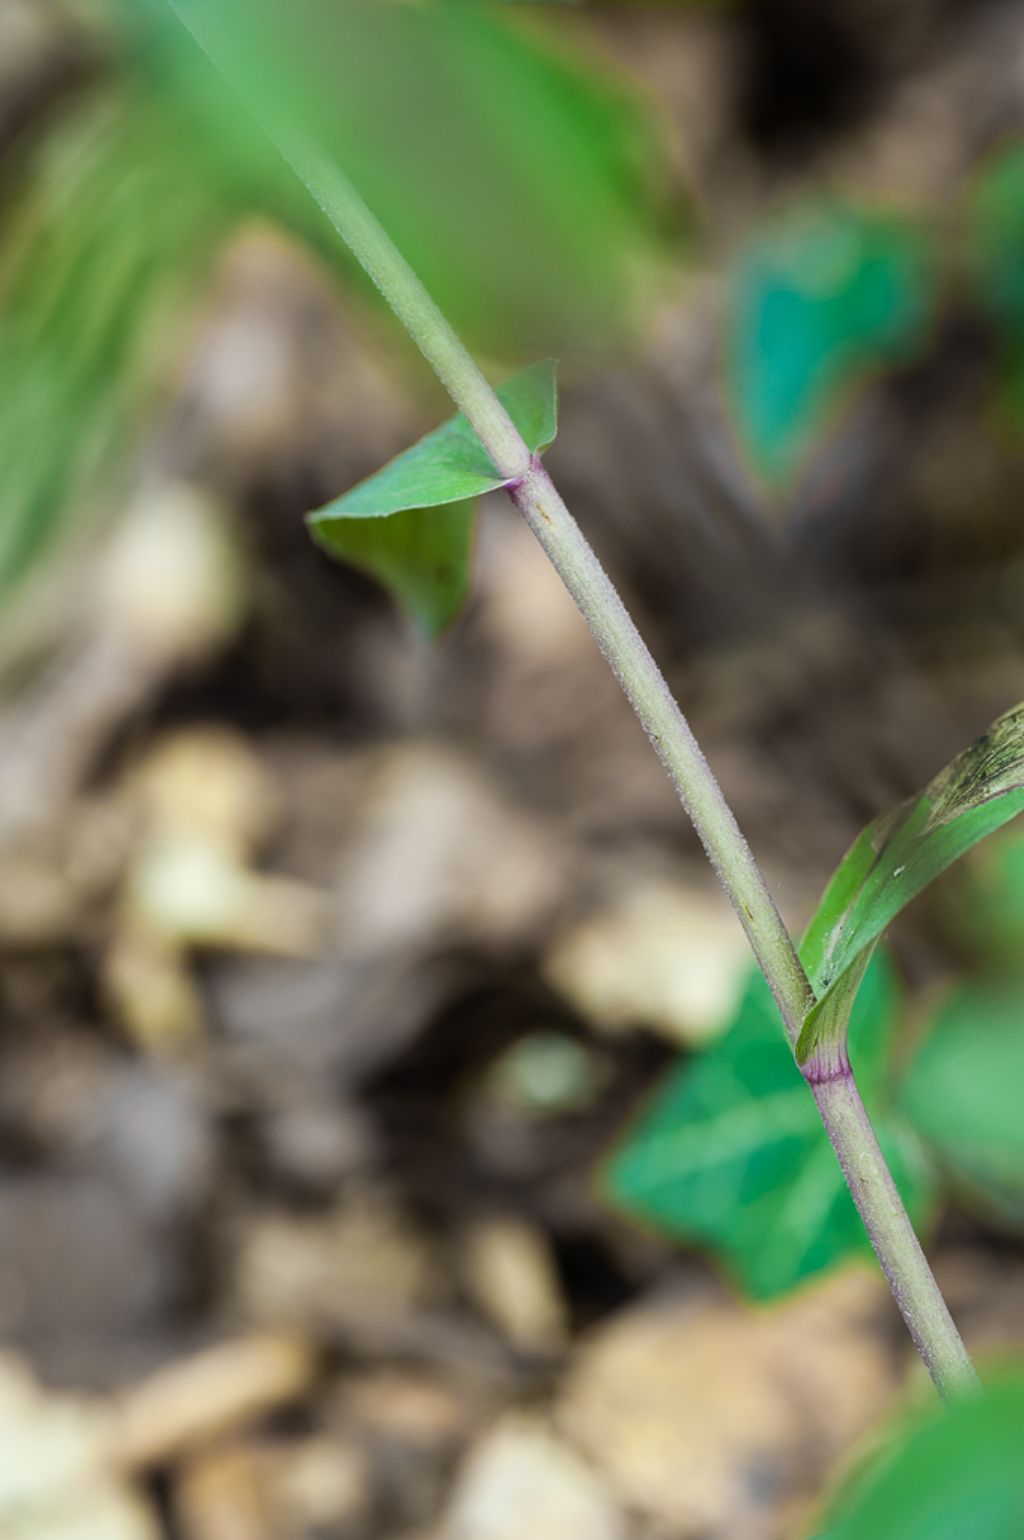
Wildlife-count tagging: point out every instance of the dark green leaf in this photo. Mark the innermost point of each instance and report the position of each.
(957, 1475)
(450, 464)
(732, 1154)
(410, 526)
(962, 1092)
(421, 557)
(893, 860)
(825, 295)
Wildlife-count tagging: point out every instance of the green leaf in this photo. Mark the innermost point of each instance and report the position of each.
(422, 558)
(524, 180)
(962, 1092)
(520, 175)
(892, 861)
(103, 240)
(825, 295)
(956, 1475)
(450, 464)
(732, 1154)
(410, 526)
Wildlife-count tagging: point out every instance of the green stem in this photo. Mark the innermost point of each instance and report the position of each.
(618, 638)
(849, 1129)
(892, 1235)
(423, 320)
(534, 494)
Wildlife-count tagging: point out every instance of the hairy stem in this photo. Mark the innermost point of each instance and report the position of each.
(537, 499)
(892, 1235)
(846, 1121)
(618, 638)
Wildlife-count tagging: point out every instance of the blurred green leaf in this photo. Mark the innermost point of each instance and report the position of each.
(100, 250)
(962, 1092)
(956, 1475)
(821, 298)
(895, 859)
(522, 180)
(995, 224)
(733, 1155)
(411, 525)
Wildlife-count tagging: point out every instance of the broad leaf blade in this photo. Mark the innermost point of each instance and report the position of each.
(410, 526)
(422, 557)
(732, 1153)
(450, 464)
(531, 400)
(894, 860)
(520, 180)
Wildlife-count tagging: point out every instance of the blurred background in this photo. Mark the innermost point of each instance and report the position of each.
(336, 966)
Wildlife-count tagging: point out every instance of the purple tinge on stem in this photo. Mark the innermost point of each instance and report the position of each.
(829, 1064)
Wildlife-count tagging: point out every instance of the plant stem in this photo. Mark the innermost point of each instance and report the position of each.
(429, 328)
(892, 1235)
(540, 504)
(618, 638)
(846, 1121)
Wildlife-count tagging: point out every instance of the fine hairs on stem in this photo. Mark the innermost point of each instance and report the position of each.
(842, 1111)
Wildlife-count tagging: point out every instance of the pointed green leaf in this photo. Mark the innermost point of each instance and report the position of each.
(421, 558)
(962, 1094)
(894, 860)
(410, 526)
(450, 464)
(955, 1474)
(732, 1154)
